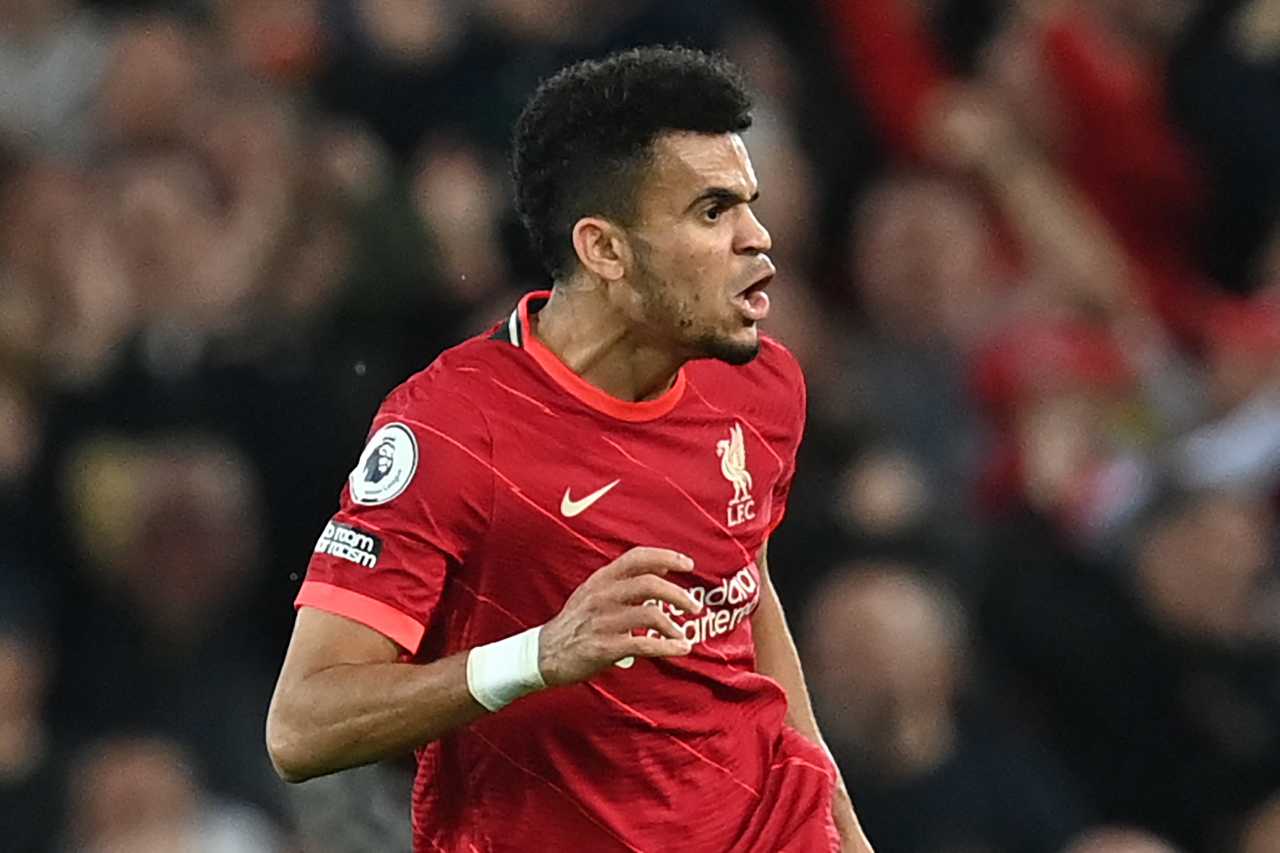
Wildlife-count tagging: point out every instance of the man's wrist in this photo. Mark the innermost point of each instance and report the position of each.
(500, 673)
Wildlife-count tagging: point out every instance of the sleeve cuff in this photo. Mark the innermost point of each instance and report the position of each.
(404, 630)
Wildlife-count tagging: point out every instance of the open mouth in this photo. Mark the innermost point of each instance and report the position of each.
(753, 302)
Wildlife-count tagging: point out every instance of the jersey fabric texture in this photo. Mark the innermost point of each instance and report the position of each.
(494, 483)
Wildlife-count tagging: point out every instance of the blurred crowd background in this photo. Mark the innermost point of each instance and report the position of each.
(1030, 260)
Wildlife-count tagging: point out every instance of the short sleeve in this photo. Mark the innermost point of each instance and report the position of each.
(782, 487)
(414, 506)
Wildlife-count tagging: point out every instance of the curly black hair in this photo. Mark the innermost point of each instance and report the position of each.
(584, 139)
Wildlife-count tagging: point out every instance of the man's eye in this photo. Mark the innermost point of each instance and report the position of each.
(713, 213)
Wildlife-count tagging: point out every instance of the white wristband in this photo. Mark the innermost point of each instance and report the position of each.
(500, 673)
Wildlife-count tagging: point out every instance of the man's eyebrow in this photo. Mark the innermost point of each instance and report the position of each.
(723, 196)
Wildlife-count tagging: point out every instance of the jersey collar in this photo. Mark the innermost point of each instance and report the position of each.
(518, 331)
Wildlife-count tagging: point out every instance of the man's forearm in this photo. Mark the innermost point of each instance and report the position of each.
(352, 714)
(780, 662)
(343, 700)
(777, 658)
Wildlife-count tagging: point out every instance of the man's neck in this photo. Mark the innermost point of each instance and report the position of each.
(597, 341)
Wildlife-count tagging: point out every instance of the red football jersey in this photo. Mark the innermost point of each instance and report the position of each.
(493, 484)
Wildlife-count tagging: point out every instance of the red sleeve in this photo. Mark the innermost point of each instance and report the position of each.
(892, 62)
(415, 505)
(1125, 154)
(1116, 109)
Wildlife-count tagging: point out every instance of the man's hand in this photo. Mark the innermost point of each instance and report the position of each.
(598, 624)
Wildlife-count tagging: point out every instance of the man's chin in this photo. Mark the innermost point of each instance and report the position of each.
(730, 350)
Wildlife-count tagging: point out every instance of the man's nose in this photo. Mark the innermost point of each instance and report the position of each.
(753, 237)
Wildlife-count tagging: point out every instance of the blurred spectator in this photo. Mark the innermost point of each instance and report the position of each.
(1092, 101)
(924, 263)
(929, 768)
(53, 56)
(1206, 571)
(1116, 667)
(68, 301)
(140, 795)
(892, 424)
(153, 81)
(1111, 840)
(283, 40)
(1239, 447)
(1095, 68)
(1063, 399)
(170, 530)
(461, 206)
(926, 281)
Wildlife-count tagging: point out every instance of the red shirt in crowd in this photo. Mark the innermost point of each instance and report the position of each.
(1120, 146)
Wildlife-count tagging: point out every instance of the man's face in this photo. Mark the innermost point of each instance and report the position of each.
(699, 252)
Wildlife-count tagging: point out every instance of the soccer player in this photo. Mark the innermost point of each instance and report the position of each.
(547, 574)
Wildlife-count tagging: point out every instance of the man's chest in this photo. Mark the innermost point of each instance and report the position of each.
(566, 503)
(583, 494)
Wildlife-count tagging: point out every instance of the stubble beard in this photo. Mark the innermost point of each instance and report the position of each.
(662, 311)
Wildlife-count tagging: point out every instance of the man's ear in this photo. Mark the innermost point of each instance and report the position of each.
(601, 248)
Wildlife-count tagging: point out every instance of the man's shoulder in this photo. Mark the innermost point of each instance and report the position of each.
(769, 391)
(776, 364)
(774, 374)
(457, 383)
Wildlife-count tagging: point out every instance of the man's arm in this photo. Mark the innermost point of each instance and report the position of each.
(343, 700)
(776, 657)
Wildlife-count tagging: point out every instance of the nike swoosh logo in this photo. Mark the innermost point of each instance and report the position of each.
(569, 507)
